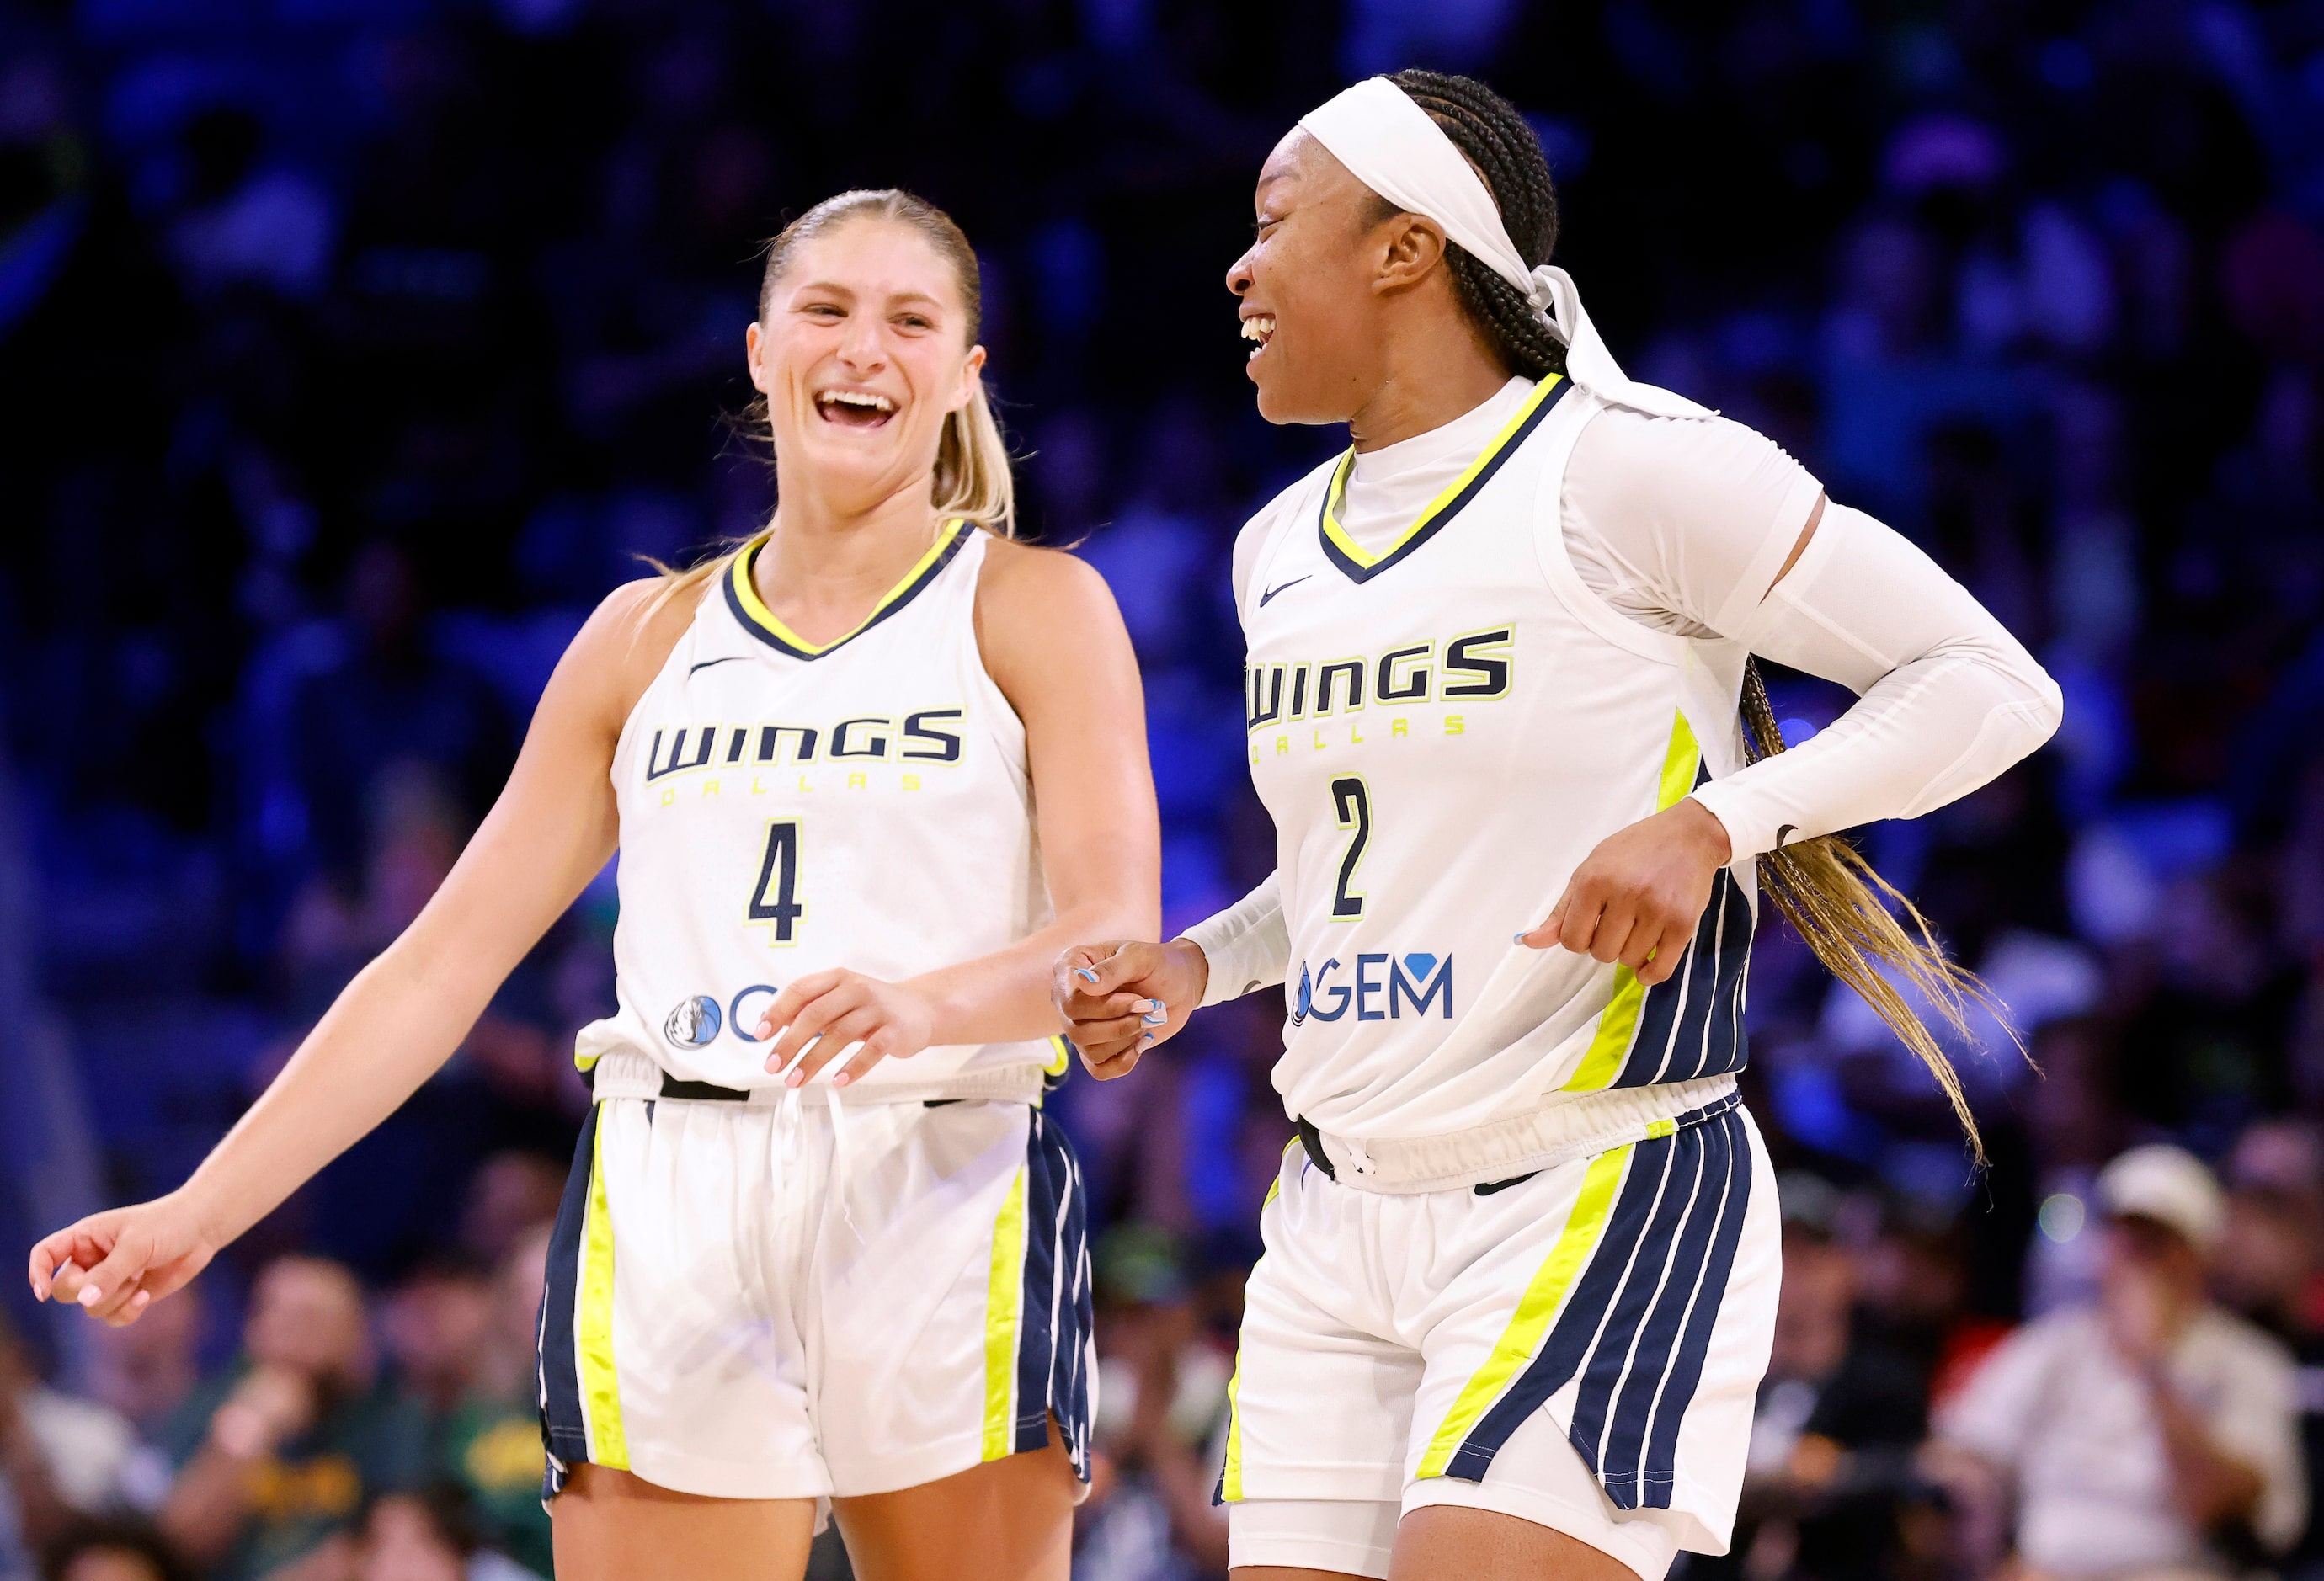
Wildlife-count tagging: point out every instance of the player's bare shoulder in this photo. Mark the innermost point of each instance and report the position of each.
(1023, 587)
(625, 642)
(1037, 609)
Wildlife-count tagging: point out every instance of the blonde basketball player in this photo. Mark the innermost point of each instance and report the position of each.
(1520, 1269)
(820, 1242)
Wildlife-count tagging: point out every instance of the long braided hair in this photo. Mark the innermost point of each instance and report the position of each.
(1853, 920)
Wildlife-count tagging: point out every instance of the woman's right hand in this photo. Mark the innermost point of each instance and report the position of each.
(116, 1264)
(1123, 998)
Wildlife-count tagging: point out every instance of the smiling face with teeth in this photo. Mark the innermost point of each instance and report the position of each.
(1304, 284)
(1349, 308)
(861, 349)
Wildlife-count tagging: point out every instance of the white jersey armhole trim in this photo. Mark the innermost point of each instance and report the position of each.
(627, 740)
(1557, 565)
(1015, 749)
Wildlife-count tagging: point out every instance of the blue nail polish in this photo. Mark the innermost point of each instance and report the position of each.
(1154, 1020)
(1519, 939)
(1085, 973)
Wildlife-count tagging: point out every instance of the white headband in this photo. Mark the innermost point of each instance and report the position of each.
(1391, 145)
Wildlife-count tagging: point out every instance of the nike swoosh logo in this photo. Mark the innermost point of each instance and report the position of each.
(1784, 832)
(706, 663)
(1271, 592)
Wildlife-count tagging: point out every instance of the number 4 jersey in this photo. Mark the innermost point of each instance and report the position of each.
(1442, 727)
(787, 807)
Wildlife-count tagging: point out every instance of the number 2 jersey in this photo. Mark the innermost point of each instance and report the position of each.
(1442, 727)
(787, 807)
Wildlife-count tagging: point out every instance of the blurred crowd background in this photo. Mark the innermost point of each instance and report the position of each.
(351, 349)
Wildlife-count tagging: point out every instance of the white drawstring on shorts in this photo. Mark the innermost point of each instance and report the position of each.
(793, 1124)
(838, 1177)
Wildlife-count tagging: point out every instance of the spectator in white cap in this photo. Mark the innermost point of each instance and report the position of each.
(2151, 1436)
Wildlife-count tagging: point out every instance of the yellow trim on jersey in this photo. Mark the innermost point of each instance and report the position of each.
(1336, 496)
(1619, 1023)
(746, 594)
(1615, 1030)
(1065, 1060)
(1680, 759)
(600, 1392)
(1536, 1309)
(1004, 1304)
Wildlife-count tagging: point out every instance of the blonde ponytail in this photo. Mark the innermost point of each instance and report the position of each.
(1850, 916)
(972, 477)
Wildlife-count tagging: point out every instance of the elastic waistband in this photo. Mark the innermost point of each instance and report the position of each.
(1541, 1138)
(625, 1073)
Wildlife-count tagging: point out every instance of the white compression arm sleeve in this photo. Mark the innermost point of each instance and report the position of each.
(1947, 697)
(1248, 945)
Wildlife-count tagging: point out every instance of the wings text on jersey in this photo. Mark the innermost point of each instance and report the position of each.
(1475, 666)
(928, 735)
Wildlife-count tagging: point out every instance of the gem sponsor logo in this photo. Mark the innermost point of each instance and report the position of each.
(1379, 987)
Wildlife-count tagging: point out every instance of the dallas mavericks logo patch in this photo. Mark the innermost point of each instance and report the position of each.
(694, 1023)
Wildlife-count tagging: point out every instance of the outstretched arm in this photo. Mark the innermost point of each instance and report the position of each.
(403, 1017)
(1054, 643)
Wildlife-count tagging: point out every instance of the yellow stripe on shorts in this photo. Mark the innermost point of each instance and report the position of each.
(1004, 1303)
(601, 1393)
(1538, 1305)
(1231, 1480)
(1619, 1023)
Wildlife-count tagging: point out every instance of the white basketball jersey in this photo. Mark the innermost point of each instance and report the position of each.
(786, 807)
(1443, 731)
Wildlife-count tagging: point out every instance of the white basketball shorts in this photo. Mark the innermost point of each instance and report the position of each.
(1580, 1348)
(754, 1300)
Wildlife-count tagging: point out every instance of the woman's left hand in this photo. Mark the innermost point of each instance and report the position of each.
(1637, 896)
(836, 1008)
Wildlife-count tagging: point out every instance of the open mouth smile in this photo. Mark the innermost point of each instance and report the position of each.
(1258, 328)
(854, 409)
